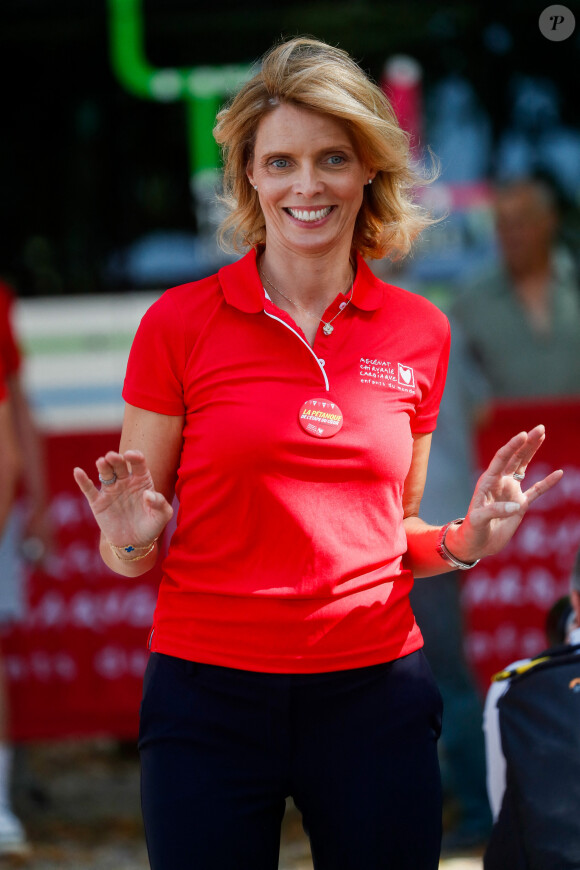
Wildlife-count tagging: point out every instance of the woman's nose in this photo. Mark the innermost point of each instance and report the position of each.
(308, 181)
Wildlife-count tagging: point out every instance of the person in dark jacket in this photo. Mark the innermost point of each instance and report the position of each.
(532, 730)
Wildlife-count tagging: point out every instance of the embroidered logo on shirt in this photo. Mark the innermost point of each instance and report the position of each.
(381, 373)
(406, 376)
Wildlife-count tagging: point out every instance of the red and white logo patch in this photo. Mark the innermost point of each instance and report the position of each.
(406, 376)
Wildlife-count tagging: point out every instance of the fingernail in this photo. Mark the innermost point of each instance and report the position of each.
(511, 507)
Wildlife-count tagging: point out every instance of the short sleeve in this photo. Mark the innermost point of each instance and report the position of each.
(9, 349)
(154, 377)
(435, 367)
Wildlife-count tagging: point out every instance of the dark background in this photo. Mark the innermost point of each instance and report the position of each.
(87, 168)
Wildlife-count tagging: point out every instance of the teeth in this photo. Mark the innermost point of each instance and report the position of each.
(310, 216)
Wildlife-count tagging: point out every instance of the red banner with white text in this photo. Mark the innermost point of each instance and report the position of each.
(506, 597)
(76, 662)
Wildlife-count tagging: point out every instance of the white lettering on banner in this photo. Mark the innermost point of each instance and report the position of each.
(507, 588)
(50, 612)
(41, 665)
(68, 509)
(567, 491)
(110, 662)
(513, 586)
(552, 537)
(533, 642)
(483, 588)
(506, 638)
(542, 588)
(540, 535)
(508, 642)
(94, 610)
(114, 663)
(569, 487)
(76, 559)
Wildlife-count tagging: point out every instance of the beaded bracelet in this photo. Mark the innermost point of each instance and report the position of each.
(131, 549)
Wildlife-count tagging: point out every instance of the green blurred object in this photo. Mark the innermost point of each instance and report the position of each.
(201, 88)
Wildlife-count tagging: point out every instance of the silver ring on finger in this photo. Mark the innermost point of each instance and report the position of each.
(109, 481)
(518, 476)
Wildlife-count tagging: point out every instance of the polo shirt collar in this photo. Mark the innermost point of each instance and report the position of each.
(242, 288)
(369, 291)
(241, 284)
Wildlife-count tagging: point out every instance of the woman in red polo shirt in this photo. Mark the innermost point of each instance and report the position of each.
(288, 403)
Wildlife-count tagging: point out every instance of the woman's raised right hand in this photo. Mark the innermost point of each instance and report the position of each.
(129, 511)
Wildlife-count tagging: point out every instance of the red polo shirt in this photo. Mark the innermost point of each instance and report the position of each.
(287, 555)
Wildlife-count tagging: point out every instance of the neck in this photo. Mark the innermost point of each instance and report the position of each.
(311, 282)
(532, 269)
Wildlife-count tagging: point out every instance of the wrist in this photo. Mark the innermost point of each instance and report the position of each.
(451, 546)
(131, 552)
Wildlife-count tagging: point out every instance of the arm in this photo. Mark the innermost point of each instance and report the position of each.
(10, 464)
(421, 556)
(135, 509)
(496, 510)
(34, 466)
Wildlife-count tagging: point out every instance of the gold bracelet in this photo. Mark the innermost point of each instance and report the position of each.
(131, 549)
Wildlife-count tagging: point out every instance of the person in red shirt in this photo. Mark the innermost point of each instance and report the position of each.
(36, 530)
(26, 528)
(11, 460)
(288, 404)
(12, 836)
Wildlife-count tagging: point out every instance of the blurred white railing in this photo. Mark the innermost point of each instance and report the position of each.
(76, 350)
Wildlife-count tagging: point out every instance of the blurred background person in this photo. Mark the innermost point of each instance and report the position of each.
(522, 317)
(26, 533)
(532, 750)
(10, 464)
(520, 321)
(11, 832)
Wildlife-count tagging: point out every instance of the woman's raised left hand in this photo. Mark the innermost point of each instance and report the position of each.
(500, 500)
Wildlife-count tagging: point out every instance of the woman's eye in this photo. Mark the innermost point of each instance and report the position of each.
(280, 163)
(336, 160)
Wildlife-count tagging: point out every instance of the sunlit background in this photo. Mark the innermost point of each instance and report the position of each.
(109, 175)
(104, 125)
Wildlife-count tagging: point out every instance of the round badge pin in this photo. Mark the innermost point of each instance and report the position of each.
(320, 418)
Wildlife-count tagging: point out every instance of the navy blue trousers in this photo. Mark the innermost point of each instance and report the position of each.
(221, 749)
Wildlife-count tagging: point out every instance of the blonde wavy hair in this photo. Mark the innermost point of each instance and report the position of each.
(308, 73)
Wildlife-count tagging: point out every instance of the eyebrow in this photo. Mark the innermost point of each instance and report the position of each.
(327, 150)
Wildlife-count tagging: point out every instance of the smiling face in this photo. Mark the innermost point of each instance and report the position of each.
(310, 181)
